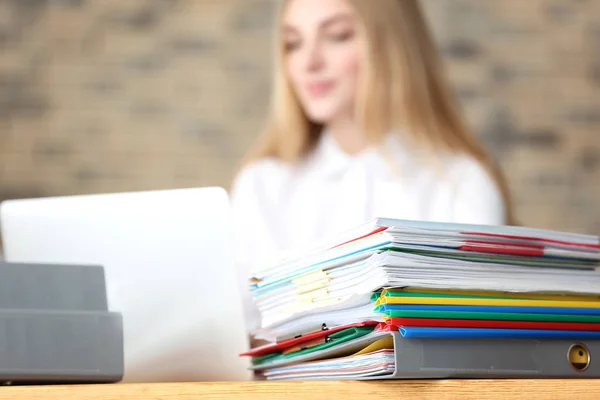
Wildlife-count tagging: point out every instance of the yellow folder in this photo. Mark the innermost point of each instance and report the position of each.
(381, 344)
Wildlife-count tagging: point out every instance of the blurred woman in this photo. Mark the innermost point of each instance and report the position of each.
(362, 125)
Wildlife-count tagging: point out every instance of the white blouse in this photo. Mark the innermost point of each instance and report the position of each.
(280, 209)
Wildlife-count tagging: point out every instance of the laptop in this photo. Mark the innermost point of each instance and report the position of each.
(170, 271)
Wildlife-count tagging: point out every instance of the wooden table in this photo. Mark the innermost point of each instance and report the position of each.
(436, 390)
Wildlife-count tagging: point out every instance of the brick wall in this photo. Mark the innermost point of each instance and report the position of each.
(111, 95)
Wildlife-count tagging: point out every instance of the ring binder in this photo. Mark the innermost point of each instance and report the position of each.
(489, 358)
(465, 358)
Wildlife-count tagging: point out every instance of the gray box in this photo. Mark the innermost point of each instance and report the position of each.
(55, 326)
(60, 347)
(52, 287)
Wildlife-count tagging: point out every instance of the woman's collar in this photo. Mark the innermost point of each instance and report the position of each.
(332, 160)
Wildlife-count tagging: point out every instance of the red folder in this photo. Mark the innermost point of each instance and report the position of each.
(309, 337)
(533, 239)
(478, 323)
(515, 249)
(374, 232)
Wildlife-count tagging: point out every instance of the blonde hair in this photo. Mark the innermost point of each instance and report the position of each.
(402, 89)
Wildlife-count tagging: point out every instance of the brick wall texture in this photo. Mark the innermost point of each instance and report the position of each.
(114, 95)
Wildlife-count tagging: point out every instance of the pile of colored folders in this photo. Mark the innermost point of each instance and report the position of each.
(341, 311)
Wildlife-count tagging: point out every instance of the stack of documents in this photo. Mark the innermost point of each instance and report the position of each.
(331, 312)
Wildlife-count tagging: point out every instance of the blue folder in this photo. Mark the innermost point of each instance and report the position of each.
(503, 309)
(422, 333)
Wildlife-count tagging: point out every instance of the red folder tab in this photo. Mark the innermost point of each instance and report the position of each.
(511, 250)
(477, 323)
(533, 239)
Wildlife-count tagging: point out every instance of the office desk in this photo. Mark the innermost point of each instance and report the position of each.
(437, 390)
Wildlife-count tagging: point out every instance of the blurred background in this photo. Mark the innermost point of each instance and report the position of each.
(122, 95)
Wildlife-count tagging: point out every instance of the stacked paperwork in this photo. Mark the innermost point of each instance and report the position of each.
(330, 313)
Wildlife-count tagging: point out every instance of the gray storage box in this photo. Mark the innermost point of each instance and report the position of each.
(55, 326)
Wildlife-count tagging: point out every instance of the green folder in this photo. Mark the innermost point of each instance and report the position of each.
(335, 339)
(392, 293)
(492, 316)
(375, 296)
(495, 257)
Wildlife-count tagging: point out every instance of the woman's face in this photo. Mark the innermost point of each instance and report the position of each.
(322, 57)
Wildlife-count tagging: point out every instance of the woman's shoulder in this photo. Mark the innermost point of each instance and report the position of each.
(259, 177)
(261, 170)
(468, 170)
(453, 166)
(478, 195)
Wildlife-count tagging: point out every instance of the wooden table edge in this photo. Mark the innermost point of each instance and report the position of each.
(313, 390)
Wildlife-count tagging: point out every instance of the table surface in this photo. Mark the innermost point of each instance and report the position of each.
(432, 389)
